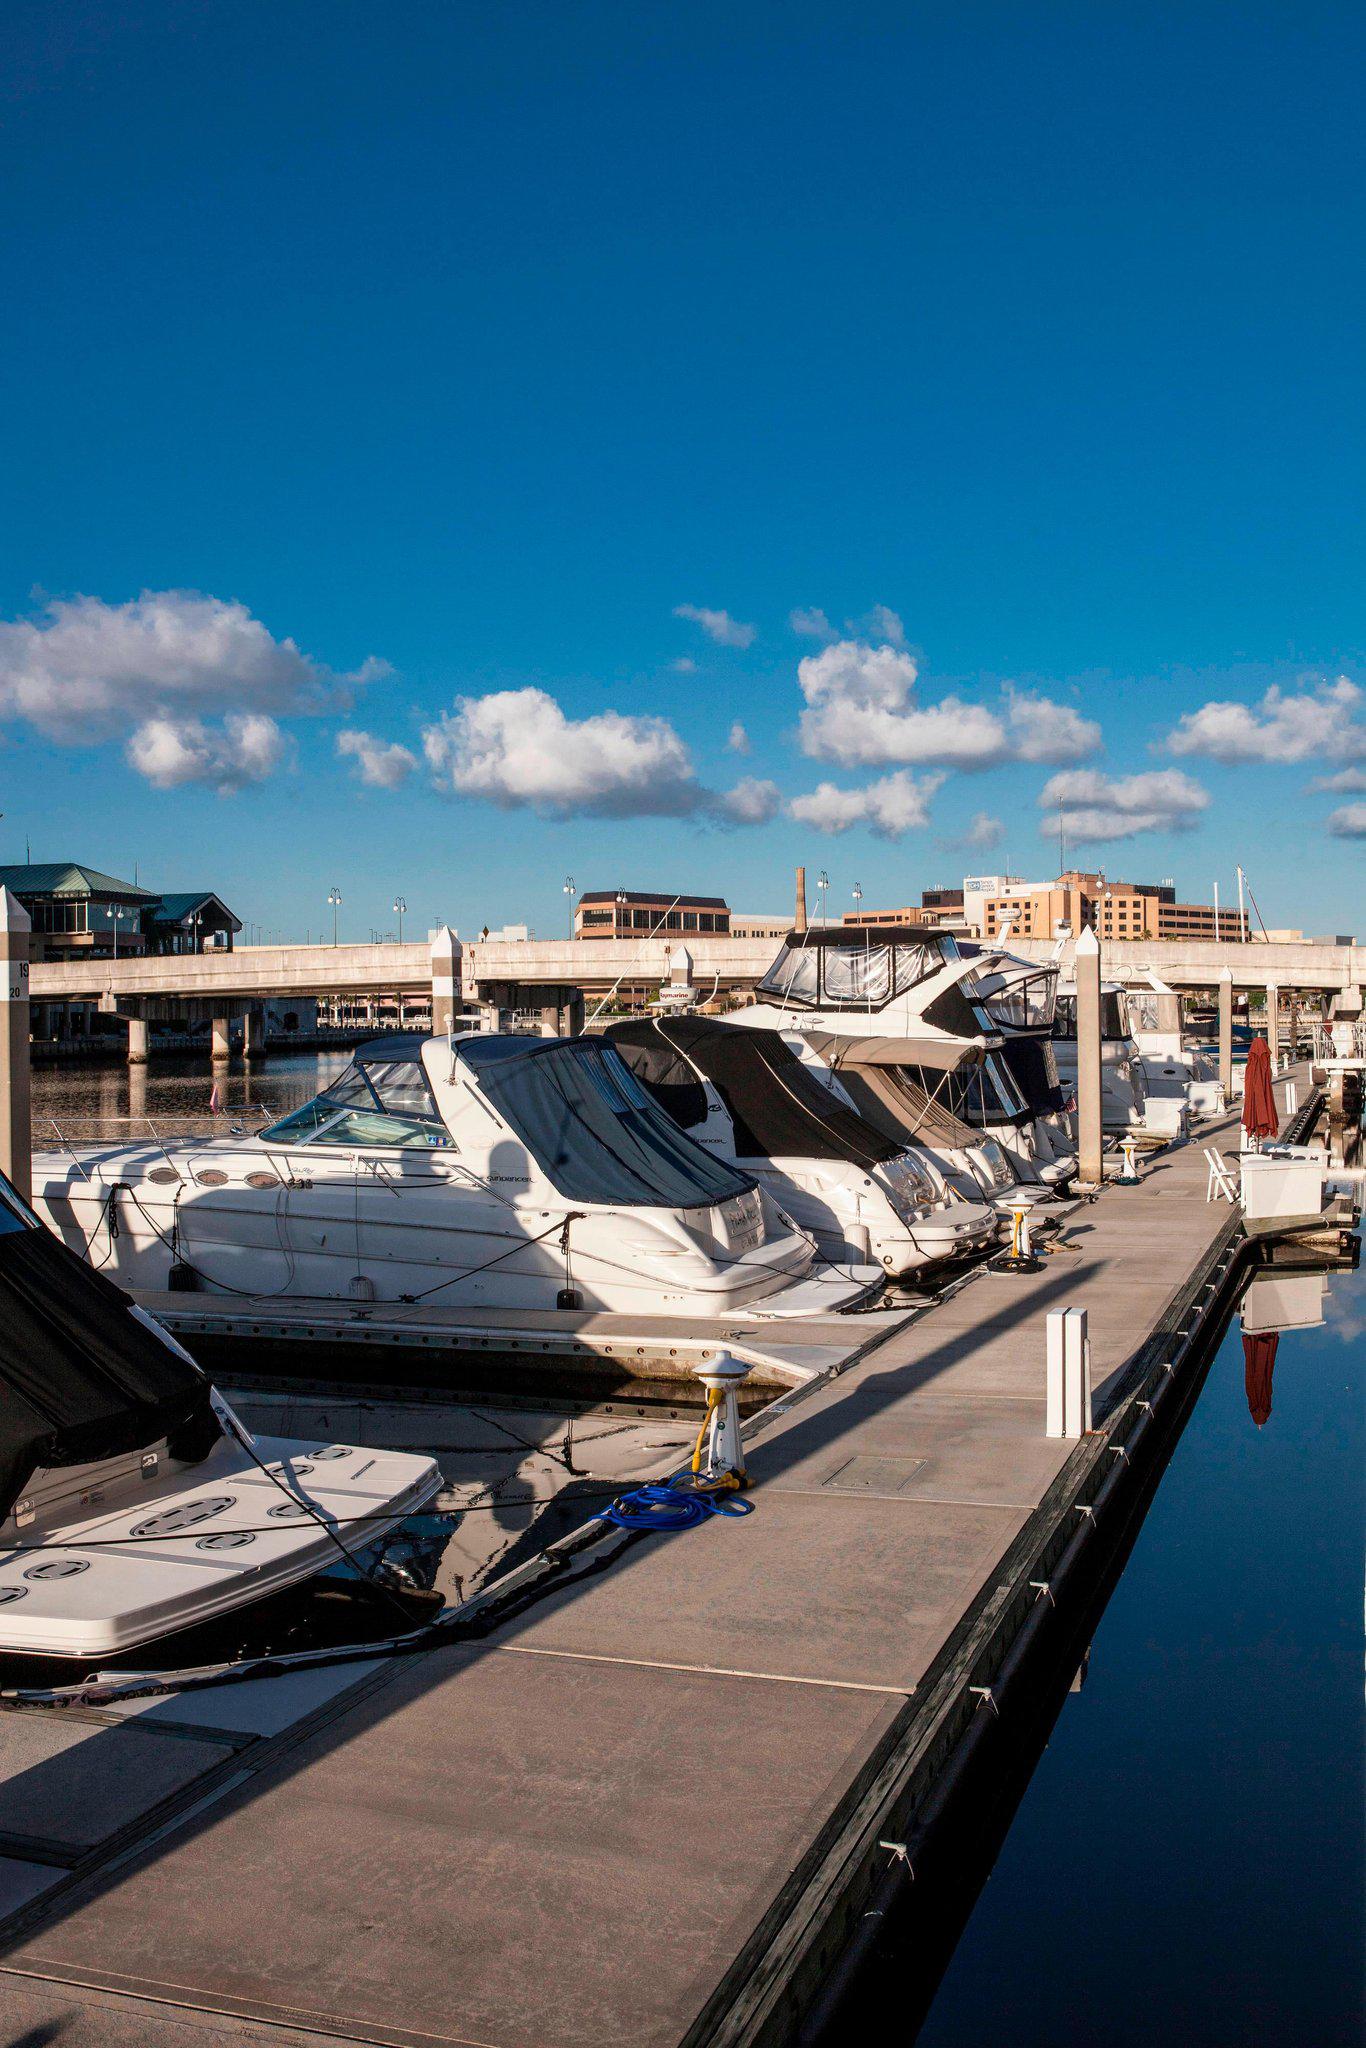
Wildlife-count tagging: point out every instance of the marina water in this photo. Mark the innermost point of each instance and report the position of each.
(1186, 1866)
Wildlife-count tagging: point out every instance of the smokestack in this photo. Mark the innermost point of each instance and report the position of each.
(801, 899)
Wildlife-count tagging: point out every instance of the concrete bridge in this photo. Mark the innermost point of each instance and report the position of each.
(554, 975)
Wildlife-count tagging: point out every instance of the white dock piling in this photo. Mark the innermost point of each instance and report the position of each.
(1067, 1395)
(1090, 1170)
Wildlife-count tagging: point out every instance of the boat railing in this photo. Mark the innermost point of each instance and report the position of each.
(143, 1126)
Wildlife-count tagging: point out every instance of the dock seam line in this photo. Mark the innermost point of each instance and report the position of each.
(896, 1692)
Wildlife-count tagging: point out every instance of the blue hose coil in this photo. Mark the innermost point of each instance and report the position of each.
(665, 1508)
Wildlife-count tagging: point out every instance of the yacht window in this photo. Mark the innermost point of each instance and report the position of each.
(1114, 1022)
(858, 976)
(401, 1086)
(1018, 1005)
(794, 976)
(596, 1132)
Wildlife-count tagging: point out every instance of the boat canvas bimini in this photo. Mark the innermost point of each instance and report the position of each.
(477, 1172)
(746, 1096)
(133, 1504)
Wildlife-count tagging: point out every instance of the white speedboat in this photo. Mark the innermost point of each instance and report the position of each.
(746, 1096)
(969, 1027)
(972, 1163)
(487, 1172)
(133, 1504)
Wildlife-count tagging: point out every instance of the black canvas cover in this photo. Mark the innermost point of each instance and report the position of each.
(1035, 1073)
(80, 1378)
(778, 1109)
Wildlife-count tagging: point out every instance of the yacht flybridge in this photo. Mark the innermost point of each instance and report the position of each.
(133, 1504)
(967, 1026)
(476, 1172)
(747, 1097)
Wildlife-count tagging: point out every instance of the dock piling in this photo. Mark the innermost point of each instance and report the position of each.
(1090, 1170)
(16, 1116)
(1226, 1033)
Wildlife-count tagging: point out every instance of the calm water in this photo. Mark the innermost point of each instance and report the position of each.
(97, 1101)
(1186, 1866)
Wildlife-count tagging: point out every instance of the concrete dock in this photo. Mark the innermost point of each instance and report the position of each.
(647, 1805)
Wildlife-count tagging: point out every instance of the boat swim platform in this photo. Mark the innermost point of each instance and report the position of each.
(652, 1802)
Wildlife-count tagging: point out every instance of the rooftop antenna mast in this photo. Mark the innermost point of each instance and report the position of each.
(1062, 841)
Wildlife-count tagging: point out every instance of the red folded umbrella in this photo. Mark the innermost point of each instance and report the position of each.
(1259, 1104)
(1259, 1358)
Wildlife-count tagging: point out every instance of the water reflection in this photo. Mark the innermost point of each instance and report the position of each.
(105, 1100)
(1259, 1361)
(1186, 1864)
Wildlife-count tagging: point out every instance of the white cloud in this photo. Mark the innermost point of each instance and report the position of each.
(861, 711)
(751, 802)
(247, 747)
(1043, 730)
(516, 747)
(1348, 821)
(984, 831)
(1283, 727)
(718, 626)
(1347, 782)
(881, 623)
(85, 671)
(381, 764)
(811, 623)
(737, 739)
(684, 666)
(1096, 806)
(896, 804)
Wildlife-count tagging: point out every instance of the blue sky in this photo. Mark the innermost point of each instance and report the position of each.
(420, 363)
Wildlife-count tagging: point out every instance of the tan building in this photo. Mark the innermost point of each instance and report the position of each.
(758, 924)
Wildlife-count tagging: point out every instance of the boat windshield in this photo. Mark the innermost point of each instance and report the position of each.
(849, 977)
(375, 1102)
(1015, 1002)
(594, 1130)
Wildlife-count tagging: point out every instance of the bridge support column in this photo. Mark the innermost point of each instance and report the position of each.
(1226, 1034)
(1090, 1164)
(253, 1033)
(446, 956)
(137, 1041)
(16, 1114)
(221, 1038)
(574, 1017)
(1273, 1024)
(550, 1020)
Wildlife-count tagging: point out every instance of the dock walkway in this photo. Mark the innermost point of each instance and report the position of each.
(623, 1816)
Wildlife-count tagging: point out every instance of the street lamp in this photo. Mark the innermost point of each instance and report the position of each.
(334, 897)
(399, 907)
(823, 884)
(571, 892)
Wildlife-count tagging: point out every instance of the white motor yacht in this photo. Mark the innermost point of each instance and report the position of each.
(488, 1172)
(1172, 1070)
(968, 1027)
(1124, 1101)
(746, 1096)
(133, 1504)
